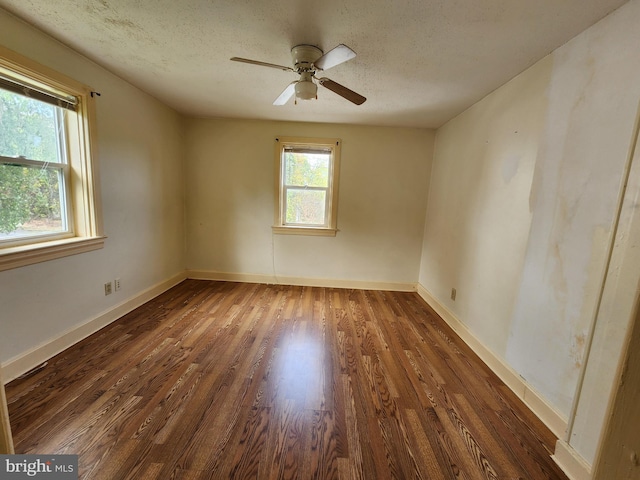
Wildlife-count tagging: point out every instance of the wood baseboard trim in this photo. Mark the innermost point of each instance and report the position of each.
(552, 419)
(29, 360)
(571, 463)
(300, 281)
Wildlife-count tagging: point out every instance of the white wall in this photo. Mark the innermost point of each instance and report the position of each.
(140, 164)
(479, 214)
(524, 194)
(382, 198)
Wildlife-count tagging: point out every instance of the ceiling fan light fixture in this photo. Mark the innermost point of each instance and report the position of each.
(306, 90)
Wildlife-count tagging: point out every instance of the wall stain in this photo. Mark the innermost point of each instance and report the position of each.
(577, 349)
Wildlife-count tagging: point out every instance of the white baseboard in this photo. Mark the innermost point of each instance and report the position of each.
(552, 419)
(30, 359)
(301, 281)
(571, 463)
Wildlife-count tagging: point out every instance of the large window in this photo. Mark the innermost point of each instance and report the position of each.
(48, 193)
(307, 185)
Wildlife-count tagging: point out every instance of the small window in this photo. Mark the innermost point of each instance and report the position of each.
(307, 185)
(48, 197)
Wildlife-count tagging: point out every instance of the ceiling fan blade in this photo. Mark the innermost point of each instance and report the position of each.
(286, 94)
(342, 91)
(262, 64)
(336, 56)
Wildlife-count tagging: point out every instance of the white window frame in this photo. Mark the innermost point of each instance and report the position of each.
(82, 205)
(331, 209)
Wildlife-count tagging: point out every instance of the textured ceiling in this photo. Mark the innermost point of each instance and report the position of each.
(419, 63)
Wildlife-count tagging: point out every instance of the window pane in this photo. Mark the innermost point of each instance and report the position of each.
(305, 207)
(307, 169)
(30, 201)
(29, 128)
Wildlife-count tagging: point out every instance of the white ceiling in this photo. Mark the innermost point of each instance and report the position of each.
(419, 63)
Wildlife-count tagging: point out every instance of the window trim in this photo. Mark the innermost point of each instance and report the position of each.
(86, 208)
(280, 226)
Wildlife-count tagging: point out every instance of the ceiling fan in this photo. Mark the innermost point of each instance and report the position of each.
(307, 61)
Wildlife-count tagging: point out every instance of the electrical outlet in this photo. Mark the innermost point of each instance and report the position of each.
(108, 288)
(116, 284)
(453, 294)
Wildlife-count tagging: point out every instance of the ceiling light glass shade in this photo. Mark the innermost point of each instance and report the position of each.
(306, 90)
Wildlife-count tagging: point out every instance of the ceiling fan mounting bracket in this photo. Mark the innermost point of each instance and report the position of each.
(303, 57)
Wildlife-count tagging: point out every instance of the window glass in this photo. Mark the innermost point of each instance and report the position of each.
(306, 180)
(32, 174)
(306, 207)
(29, 128)
(31, 200)
(307, 169)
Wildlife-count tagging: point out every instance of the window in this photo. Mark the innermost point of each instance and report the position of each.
(48, 193)
(307, 185)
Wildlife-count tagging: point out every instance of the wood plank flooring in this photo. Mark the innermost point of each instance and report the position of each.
(218, 380)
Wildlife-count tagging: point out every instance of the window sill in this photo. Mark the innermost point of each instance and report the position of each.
(313, 231)
(14, 257)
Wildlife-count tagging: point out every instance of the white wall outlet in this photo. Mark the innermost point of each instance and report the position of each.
(107, 288)
(116, 284)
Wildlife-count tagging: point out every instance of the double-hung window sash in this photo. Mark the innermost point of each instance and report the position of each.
(34, 166)
(306, 186)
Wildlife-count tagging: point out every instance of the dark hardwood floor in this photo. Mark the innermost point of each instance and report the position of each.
(218, 380)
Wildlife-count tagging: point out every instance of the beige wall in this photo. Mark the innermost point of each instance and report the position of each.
(524, 197)
(140, 163)
(382, 198)
(479, 213)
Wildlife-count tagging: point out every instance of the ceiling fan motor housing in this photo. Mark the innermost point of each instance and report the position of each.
(303, 57)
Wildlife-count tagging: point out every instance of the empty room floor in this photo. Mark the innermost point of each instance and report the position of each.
(220, 380)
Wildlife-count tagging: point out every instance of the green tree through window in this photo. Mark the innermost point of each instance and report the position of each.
(30, 195)
(306, 181)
